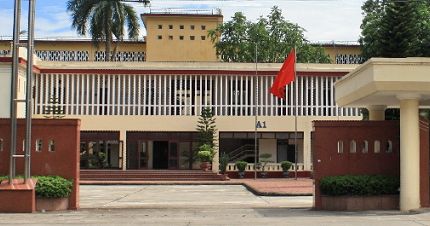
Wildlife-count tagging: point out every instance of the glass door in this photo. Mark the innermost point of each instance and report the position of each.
(173, 155)
(143, 155)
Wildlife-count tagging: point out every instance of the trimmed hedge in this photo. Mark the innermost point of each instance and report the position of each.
(50, 186)
(359, 185)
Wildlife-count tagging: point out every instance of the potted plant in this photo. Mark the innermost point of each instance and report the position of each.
(286, 165)
(205, 156)
(264, 159)
(241, 166)
(52, 193)
(223, 162)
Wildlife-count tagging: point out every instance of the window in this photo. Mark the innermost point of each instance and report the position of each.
(365, 147)
(192, 37)
(38, 145)
(170, 26)
(181, 37)
(181, 27)
(51, 145)
(160, 26)
(192, 27)
(389, 146)
(203, 37)
(377, 146)
(1, 144)
(353, 146)
(159, 37)
(170, 37)
(340, 147)
(203, 27)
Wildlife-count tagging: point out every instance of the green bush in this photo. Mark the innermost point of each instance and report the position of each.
(286, 165)
(53, 187)
(359, 185)
(223, 162)
(204, 156)
(241, 165)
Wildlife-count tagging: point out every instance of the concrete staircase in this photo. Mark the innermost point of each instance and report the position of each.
(147, 175)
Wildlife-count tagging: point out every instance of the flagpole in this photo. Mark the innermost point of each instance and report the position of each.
(295, 117)
(255, 113)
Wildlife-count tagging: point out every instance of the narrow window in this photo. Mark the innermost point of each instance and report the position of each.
(203, 37)
(192, 37)
(170, 26)
(1, 144)
(365, 147)
(353, 146)
(159, 37)
(377, 146)
(38, 145)
(389, 146)
(160, 26)
(170, 37)
(51, 145)
(340, 147)
(181, 27)
(181, 37)
(192, 27)
(203, 27)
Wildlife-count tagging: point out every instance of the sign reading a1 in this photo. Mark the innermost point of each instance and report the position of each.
(261, 124)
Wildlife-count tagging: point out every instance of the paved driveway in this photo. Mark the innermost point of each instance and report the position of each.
(180, 196)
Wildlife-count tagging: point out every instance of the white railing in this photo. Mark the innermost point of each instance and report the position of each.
(270, 167)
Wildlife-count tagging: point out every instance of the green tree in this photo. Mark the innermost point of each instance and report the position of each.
(105, 20)
(206, 128)
(274, 36)
(392, 28)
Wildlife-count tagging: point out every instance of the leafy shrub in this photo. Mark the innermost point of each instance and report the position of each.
(359, 185)
(223, 162)
(53, 187)
(241, 165)
(204, 156)
(286, 165)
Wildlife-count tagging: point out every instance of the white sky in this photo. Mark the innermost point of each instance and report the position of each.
(323, 20)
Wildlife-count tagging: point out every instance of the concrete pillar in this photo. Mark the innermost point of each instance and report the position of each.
(215, 160)
(409, 154)
(307, 147)
(123, 138)
(376, 112)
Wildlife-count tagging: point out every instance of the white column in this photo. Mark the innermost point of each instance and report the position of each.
(307, 146)
(215, 160)
(376, 112)
(123, 138)
(409, 153)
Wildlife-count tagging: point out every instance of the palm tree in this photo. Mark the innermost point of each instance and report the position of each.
(104, 20)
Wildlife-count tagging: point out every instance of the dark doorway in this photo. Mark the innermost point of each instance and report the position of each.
(161, 155)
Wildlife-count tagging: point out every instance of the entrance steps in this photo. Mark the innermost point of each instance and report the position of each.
(148, 175)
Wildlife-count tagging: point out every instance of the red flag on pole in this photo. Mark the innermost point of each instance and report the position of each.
(285, 76)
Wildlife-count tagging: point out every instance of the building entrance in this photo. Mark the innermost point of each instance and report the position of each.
(161, 154)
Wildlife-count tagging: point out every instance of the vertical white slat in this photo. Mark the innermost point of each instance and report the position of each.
(159, 99)
(174, 92)
(335, 107)
(181, 93)
(165, 90)
(102, 93)
(139, 94)
(296, 97)
(109, 95)
(317, 96)
(266, 95)
(168, 92)
(145, 95)
(240, 92)
(210, 92)
(86, 93)
(36, 94)
(215, 104)
(60, 85)
(290, 106)
(273, 98)
(79, 96)
(72, 94)
(45, 91)
(69, 94)
(195, 94)
(190, 91)
(150, 88)
(98, 93)
(251, 91)
(129, 95)
(123, 88)
(201, 94)
(327, 105)
(185, 93)
(246, 95)
(311, 80)
(115, 95)
(231, 96)
(302, 97)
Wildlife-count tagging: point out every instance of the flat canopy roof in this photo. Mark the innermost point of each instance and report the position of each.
(384, 81)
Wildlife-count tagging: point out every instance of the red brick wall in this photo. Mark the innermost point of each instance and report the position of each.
(328, 162)
(64, 161)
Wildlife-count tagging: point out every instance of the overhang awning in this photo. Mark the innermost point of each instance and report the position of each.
(383, 81)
